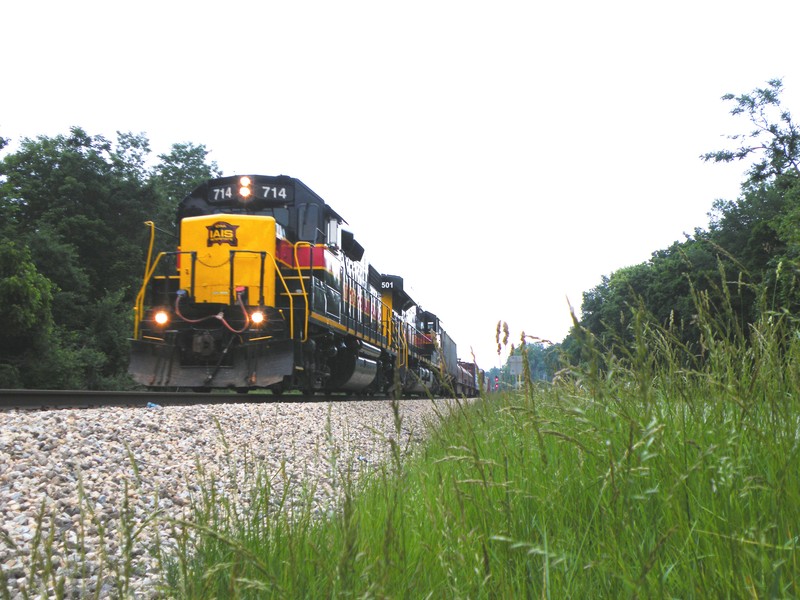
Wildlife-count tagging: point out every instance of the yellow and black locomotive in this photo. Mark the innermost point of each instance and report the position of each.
(267, 290)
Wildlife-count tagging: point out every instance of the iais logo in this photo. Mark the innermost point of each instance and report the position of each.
(222, 233)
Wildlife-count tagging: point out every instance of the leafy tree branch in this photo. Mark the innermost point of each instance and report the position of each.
(774, 139)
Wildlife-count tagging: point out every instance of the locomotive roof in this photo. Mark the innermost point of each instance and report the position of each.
(402, 301)
(293, 191)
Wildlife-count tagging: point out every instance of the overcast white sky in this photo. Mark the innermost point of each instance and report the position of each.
(500, 156)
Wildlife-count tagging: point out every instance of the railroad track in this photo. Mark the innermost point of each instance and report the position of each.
(54, 399)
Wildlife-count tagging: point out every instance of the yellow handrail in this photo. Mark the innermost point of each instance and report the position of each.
(302, 283)
(283, 281)
(152, 227)
(138, 309)
(137, 315)
(288, 294)
(401, 341)
(150, 267)
(139, 306)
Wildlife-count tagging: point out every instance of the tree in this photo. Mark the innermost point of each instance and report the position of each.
(60, 262)
(775, 137)
(88, 191)
(25, 297)
(129, 157)
(25, 300)
(177, 173)
(73, 201)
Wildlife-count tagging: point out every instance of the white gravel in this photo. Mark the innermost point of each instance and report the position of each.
(46, 456)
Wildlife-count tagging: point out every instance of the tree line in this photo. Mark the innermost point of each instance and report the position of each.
(72, 251)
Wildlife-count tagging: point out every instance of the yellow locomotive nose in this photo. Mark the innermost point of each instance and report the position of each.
(232, 251)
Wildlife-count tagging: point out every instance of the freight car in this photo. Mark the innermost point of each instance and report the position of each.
(267, 289)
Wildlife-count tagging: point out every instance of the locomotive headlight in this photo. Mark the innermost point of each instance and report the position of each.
(161, 317)
(257, 317)
(244, 187)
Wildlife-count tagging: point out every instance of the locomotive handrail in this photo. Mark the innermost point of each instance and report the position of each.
(152, 227)
(139, 304)
(400, 342)
(302, 282)
(264, 255)
(138, 308)
(231, 278)
(406, 348)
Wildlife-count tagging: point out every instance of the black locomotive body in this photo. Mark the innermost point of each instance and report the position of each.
(267, 290)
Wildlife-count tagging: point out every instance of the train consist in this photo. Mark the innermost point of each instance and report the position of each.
(267, 290)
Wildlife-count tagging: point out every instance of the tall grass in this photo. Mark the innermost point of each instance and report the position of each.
(657, 471)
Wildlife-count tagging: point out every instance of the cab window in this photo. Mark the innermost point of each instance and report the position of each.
(308, 223)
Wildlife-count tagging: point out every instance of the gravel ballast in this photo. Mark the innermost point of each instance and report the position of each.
(156, 454)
